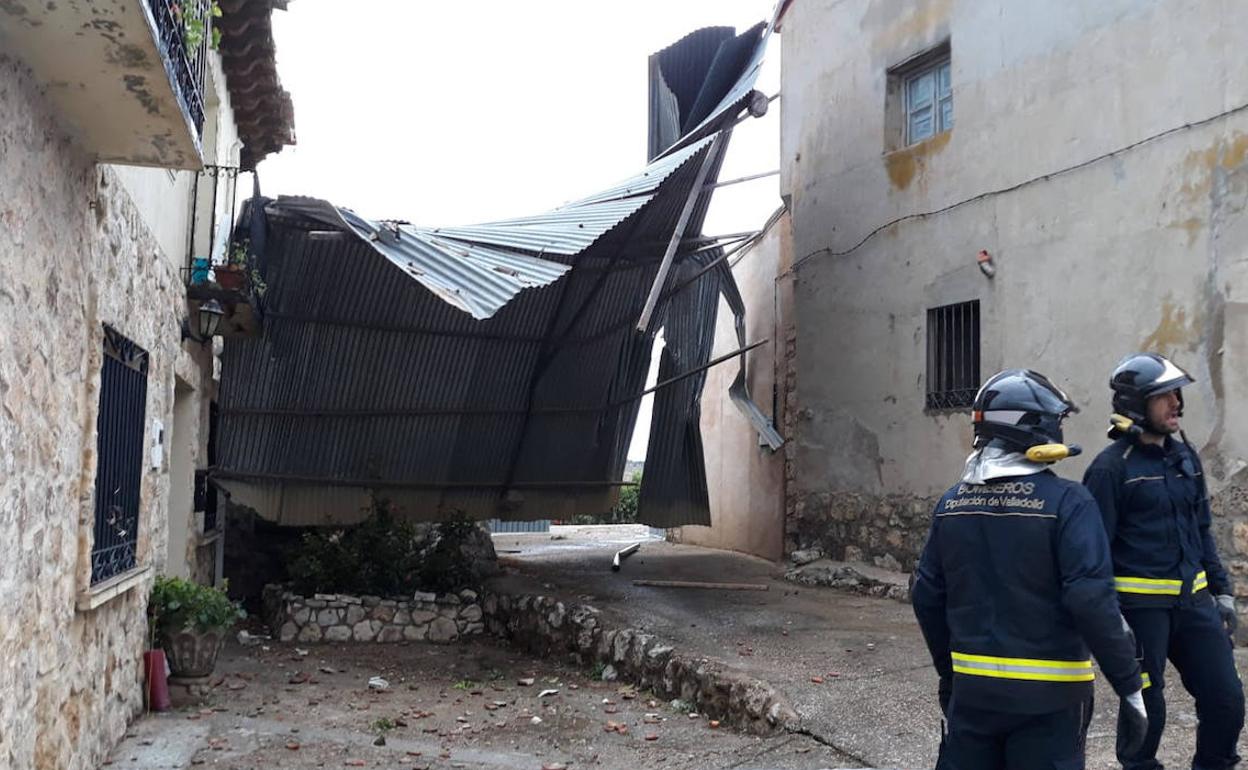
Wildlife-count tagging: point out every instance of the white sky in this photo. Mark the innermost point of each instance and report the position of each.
(457, 113)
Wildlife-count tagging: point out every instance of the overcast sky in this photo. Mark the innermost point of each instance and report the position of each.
(458, 113)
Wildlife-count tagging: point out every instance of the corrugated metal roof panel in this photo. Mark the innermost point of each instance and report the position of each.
(736, 96)
(574, 227)
(519, 407)
(476, 280)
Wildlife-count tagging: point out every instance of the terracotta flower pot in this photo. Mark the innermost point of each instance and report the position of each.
(229, 279)
(193, 654)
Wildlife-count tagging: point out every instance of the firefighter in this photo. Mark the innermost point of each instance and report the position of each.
(1013, 588)
(1174, 592)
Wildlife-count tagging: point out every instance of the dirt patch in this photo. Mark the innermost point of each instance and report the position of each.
(477, 704)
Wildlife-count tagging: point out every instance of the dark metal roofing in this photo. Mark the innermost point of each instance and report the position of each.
(727, 83)
(402, 362)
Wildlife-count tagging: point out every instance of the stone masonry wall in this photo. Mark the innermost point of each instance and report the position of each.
(74, 255)
(889, 531)
(885, 530)
(342, 618)
(1230, 524)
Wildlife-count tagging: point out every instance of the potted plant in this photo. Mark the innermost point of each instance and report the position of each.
(190, 622)
(233, 274)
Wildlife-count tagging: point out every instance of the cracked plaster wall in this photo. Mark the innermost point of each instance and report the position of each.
(1144, 249)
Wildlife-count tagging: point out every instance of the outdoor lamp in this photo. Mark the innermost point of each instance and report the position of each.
(209, 318)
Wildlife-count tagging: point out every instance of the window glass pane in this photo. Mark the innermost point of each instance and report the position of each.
(921, 125)
(946, 114)
(919, 90)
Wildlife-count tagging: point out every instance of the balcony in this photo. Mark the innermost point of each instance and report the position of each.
(127, 77)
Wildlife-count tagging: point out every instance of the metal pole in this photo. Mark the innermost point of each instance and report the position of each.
(740, 179)
(691, 372)
(643, 323)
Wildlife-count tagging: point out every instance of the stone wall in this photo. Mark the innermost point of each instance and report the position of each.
(544, 626)
(75, 255)
(885, 530)
(342, 618)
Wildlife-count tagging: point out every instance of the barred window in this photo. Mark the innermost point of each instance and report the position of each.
(119, 452)
(952, 355)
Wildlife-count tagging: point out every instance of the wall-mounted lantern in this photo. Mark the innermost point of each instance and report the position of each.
(207, 321)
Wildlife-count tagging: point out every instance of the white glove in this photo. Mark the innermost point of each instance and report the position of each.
(1226, 609)
(1132, 724)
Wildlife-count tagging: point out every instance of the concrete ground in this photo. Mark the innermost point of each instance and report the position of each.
(854, 667)
(477, 704)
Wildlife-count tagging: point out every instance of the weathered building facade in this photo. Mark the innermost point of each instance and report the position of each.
(745, 476)
(989, 184)
(104, 404)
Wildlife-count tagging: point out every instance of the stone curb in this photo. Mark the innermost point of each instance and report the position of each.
(544, 626)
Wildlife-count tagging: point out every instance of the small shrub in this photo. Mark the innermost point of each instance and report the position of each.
(385, 556)
(378, 556)
(177, 605)
(625, 510)
(445, 565)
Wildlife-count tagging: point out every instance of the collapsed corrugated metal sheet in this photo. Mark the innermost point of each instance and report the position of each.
(411, 363)
(728, 68)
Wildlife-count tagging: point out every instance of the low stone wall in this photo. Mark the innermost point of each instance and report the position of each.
(885, 530)
(341, 618)
(545, 626)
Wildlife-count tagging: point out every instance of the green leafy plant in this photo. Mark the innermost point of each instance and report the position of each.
(384, 556)
(383, 725)
(237, 255)
(177, 604)
(380, 556)
(194, 25)
(444, 567)
(625, 510)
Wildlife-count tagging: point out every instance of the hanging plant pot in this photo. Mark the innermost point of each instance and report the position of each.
(229, 279)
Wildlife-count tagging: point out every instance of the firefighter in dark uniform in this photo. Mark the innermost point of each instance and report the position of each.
(1173, 589)
(1013, 588)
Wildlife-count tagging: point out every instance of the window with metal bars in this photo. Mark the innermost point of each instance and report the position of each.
(952, 355)
(119, 451)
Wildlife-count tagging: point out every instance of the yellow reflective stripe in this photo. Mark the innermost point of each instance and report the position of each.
(1158, 586)
(1021, 661)
(1028, 675)
(1152, 581)
(1032, 669)
(1129, 585)
(1147, 682)
(1201, 582)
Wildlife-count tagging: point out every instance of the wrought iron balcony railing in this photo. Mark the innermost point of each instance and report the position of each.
(185, 32)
